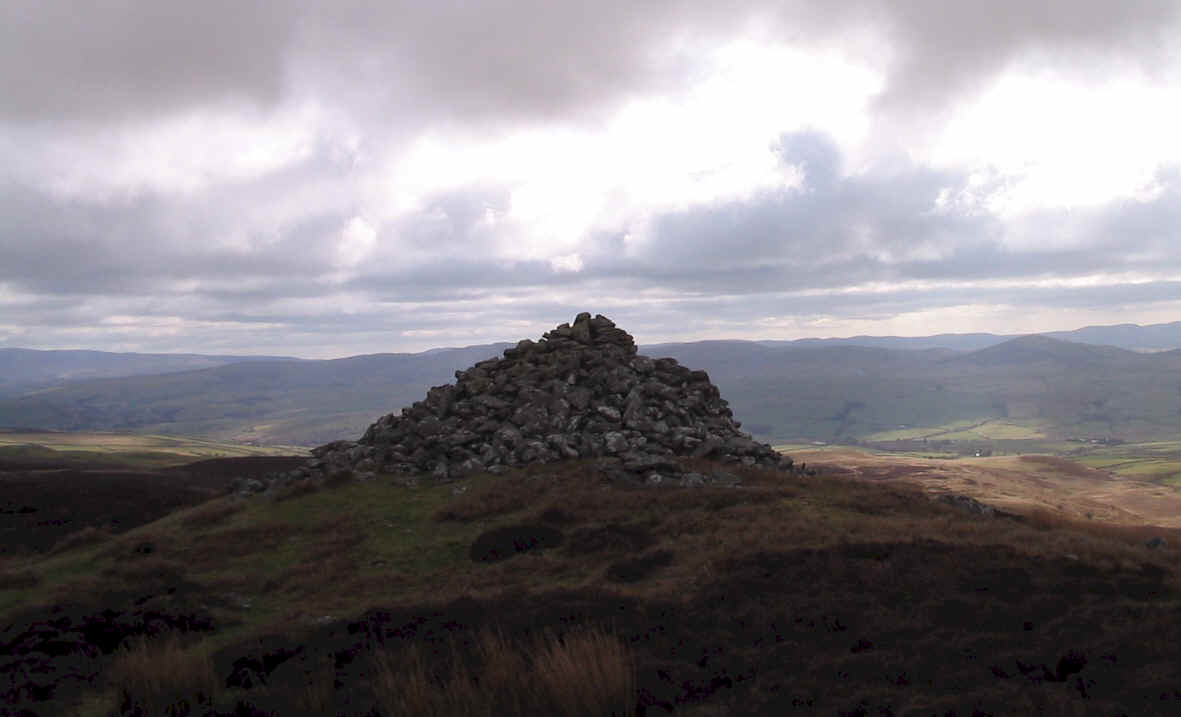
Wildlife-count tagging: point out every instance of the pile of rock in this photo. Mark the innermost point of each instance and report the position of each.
(582, 391)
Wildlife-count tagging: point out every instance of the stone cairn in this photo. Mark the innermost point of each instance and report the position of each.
(582, 391)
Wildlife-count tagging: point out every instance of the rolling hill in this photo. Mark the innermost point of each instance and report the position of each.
(1054, 388)
(1125, 384)
(264, 401)
(1134, 337)
(26, 369)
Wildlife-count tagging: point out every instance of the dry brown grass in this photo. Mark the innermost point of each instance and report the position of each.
(588, 673)
(709, 526)
(213, 547)
(157, 674)
(18, 579)
(813, 530)
(145, 571)
(316, 696)
(86, 536)
(211, 513)
(1131, 534)
(296, 489)
(498, 497)
(582, 674)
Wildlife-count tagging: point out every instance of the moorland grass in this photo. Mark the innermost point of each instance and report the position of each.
(283, 566)
(582, 673)
(159, 675)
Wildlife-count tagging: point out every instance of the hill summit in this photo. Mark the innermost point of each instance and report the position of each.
(581, 391)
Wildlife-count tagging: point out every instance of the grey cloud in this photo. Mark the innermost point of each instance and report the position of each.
(452, 60)
(795, 253)
(410, 63)
(947, 47)
(884, 227)
(82, 59)
(832, 231)
(141, 246)
(934, 52)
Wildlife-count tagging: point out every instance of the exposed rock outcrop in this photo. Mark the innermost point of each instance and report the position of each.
(582, 391)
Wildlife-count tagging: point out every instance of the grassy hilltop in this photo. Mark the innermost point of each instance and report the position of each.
(823, 594)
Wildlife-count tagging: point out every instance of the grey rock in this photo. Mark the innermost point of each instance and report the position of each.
(967, 503)
(615, 442)
(580, 330)
(610, 413)
(582, 391)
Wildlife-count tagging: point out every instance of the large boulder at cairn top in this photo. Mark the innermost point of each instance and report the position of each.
(582, 391)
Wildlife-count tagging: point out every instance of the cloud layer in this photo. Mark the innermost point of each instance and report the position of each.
(324, 179)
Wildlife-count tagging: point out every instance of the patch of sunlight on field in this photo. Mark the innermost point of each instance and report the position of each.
(1157, 461)
(1102, 462)
(141, 448)
(1011, 431)
(790, 448)
(916, 433)
(101, 442)
(966, 430)
(1150, 469)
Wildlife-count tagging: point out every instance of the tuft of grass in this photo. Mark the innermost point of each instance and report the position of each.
(316, 695)
(585, 673)
(589, 672)
(160, 676)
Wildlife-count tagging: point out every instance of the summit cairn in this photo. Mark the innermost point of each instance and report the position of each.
(582, 391)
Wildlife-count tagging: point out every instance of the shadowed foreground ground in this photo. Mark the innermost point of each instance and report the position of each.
(796, 595)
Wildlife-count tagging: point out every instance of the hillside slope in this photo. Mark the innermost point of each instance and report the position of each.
(268, 401)
(1057, 389)
(781, 392)
(26, 369)
(789, 595)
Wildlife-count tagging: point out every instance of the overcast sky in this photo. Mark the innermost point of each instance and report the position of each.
(328, 178)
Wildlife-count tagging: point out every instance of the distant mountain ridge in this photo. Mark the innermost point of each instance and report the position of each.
(812, 389)
(259, 400)
(23, 369)
(1133, 337)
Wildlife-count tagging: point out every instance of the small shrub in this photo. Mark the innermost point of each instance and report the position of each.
(505, 542)
(611, 537)
(161, 677)
(635, 569)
